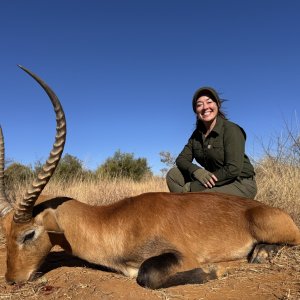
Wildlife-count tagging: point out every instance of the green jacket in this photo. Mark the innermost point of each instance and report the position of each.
(222, 152)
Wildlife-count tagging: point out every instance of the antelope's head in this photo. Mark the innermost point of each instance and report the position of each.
(27, 239)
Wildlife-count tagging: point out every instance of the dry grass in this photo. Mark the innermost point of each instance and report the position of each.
(278, 185)
(105, 191)
(100, 191)
(286, 261)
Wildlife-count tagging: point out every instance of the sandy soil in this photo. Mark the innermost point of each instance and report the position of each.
(66, 277)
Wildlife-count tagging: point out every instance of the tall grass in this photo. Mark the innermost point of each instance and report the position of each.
(104, 191)
(278, 185)
(278, 172)
(99, 191)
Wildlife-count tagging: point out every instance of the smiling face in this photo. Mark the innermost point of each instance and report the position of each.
(206, 110)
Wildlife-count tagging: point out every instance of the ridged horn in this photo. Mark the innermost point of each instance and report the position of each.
(23, 211)
(5, 206)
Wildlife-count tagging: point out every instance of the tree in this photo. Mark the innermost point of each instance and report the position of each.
(124, 165)
(69, 168)
(17, 172)
(15, 176)
(168, 159)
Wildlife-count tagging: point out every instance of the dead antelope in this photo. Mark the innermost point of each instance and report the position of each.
(163, 239)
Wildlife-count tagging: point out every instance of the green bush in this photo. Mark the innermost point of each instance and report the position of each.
(16, 175)
(69, 168)
(124, 165)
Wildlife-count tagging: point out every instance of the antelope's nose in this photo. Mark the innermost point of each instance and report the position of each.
(9, 281)
(13, 281)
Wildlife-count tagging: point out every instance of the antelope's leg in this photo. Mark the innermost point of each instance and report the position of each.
(264, 252)
(166, 270)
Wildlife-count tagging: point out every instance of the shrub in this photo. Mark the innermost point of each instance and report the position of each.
(124, 165)
(16, 175)
(68, 168)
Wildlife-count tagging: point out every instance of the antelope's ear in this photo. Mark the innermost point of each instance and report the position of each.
(48, 219)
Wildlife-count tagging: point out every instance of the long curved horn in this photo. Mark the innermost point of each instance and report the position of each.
(23, 212)
(5, 206)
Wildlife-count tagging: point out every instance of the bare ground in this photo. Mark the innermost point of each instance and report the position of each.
(66, 277)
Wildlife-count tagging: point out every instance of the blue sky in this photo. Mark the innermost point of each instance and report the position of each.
(125, 72)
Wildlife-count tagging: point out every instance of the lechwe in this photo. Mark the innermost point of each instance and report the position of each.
(161, 238)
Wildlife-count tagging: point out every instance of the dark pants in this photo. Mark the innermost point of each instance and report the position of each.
(178, 182)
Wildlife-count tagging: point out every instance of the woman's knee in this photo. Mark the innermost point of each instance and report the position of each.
(175, 180)
(174, 174)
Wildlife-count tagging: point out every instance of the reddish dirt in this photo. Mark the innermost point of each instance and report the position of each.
(66, 277)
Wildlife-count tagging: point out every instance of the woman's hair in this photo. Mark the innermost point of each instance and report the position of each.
(221, 113)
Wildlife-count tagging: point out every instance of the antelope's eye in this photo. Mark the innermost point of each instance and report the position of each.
(28, 236)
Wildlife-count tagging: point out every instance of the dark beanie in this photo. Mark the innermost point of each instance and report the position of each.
(206, 91)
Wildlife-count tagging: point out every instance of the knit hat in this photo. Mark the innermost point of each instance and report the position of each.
(207, 91)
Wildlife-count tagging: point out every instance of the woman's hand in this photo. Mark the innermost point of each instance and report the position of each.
(206, 178)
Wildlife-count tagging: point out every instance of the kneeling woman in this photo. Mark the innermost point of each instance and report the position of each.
(218, 145)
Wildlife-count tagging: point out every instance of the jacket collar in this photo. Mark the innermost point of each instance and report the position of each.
(217, 129)
(219, 125)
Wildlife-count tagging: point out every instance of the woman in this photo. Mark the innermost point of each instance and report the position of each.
(218, 145)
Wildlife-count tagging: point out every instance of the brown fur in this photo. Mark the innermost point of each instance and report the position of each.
(200, 227)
